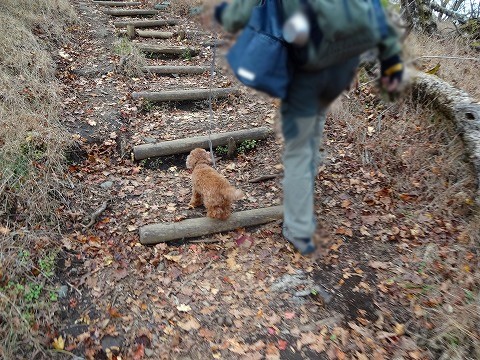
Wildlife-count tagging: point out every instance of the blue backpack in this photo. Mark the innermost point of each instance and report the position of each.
(340, 29)
(260, 56)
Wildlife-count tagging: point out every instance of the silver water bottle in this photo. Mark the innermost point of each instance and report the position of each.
(296, 30)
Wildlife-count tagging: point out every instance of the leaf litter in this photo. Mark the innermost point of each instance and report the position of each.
(246, 293)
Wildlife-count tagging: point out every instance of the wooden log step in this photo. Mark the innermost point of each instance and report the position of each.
(184, 95)
(131, 12)
(176, 69)
(117, 3)
(217, 43)
(155, 34)
(181, 146)
(145, 23)
(167, 50)
(189, 228)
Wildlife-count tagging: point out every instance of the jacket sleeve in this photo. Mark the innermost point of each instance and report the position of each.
(390, 44)
(237, 13)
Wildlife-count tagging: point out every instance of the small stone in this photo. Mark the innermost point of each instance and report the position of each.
(220, 320)
(150, 140)
(62, 291)
(228, 321)
(149, 352)
(112, 343)
(106, 185)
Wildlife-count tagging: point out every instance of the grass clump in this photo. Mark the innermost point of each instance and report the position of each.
(32, 171)
(132, 59)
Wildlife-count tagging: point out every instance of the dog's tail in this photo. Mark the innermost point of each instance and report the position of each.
(235, 194)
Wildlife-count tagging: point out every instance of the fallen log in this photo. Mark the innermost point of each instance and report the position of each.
(191, 34)
(191, 228)
(186, 145)
(131, 12)
(155, 34)
(184, 95)
(117, 3)
(167, 50)
(145, 23)
(459, 107)
(176, 69)
(217, 43)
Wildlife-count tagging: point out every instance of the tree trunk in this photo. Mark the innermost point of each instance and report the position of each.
(117, 3)
(145, 23)
(458, 106)
(131, 12)
(184, 95)
(419, 15)
(190, 228)
(167, 50)
(155, 34)
(182, 146)
(444, 11)
(165, 69)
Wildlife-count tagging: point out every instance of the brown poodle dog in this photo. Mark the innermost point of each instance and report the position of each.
(210, 187)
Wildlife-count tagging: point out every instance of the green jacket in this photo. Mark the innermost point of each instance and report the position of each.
(333, 48)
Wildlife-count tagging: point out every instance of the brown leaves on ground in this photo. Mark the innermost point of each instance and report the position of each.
(391, 257)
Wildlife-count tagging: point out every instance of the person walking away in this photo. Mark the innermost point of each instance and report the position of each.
(327, 70)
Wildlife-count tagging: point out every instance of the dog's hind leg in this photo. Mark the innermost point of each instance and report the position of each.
(196, 199)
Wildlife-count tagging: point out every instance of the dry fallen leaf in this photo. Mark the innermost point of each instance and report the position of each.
(184, 308)
(59, 343)
(4, 230)
(174, 258)
(378, 265)
(190, 324)
(399, 329)
(114, 313)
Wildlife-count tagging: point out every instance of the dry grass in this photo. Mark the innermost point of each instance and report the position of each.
(132, 60)
(420, 153)
(32, 168)
(462, 73)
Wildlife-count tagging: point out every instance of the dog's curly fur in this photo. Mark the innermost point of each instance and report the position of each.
(209, 187)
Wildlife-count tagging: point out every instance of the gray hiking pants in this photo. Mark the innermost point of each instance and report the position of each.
(303, 118)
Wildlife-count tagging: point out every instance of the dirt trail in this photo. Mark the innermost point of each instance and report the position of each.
(243, 294)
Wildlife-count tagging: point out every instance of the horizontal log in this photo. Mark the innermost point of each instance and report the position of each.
(184, 95)
(176, 69)
(155, 34)
(190, 228)
(131, 12)
(181, 146)
(459, 107)
(217, 43)
(145, 23)
(117, 3)
(167, 50)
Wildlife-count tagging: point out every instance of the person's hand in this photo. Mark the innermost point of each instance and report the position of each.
(391, 73)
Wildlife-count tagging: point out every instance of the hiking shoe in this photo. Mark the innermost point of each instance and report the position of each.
(305, 246)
